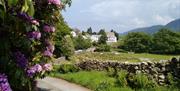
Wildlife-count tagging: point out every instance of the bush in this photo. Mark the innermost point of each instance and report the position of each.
(140, 81)
(103, 48)
(81, 43)
(67, 47)
(67, 68)
(173, 81)
(111, 72)
(104, 86)
(121, 79)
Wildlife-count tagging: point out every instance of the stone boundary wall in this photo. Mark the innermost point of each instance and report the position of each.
(157, 70)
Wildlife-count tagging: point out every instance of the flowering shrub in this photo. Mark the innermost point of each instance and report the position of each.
(27, 28)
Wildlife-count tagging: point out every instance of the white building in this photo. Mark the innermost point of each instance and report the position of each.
(111, 37)
(95, 38)
(73, 33)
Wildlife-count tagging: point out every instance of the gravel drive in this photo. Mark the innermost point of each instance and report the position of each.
(55, 84)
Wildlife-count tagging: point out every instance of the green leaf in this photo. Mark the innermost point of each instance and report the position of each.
(25, 7)
(31, 8)
(2, 5)
(12, 2)
(28, 7)
(2, 14)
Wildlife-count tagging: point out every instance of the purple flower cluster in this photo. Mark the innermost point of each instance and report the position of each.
(21, 60)
(34, 35)
(49, 49)
(28, 18)
(49, 29)
(34, 69)
(55, 2)
(47, 53)
(4, 84)
(47, 67)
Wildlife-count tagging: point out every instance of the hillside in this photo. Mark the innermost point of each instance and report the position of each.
(174, 26)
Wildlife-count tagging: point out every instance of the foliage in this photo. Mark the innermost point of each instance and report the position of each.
(62, 30)
(82, 43)
(27, 28)
(103, 48)
(99, 81)
(104, 86)
(137, 42)
(173, 81)
(67, 68)
(93, 79)
(116, 34)
(166, 42)
(140, 81)
(89, 31)
(101, 32)
(121, 79)
(67, 46)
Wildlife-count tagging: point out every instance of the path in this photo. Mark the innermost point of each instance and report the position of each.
(54, 84)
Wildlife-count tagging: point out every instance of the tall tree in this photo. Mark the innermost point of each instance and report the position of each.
(103, 39)
(62, 30)
(137, 42)
(166, 42)
(82, 43)
(102, 31)
(116, 34)
(67, 46)
(89, 30)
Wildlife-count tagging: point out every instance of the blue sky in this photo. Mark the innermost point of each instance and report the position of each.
(120, 15)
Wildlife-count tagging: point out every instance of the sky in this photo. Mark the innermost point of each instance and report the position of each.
(120, 15)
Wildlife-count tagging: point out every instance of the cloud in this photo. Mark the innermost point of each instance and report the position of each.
(163, 19)
(122, 15)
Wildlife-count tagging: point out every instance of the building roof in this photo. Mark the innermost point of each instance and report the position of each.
(110, 34)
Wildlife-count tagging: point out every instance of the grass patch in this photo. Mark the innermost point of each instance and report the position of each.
(123, 57)
(100, 81)
(92, 79)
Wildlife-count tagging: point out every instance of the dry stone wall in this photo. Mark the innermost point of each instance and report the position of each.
(157, 70)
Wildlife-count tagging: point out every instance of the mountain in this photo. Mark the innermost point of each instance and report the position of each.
(174, 26)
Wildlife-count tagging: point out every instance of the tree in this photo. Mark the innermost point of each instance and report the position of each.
(102, 39)
(166, 42)
(82, 43)
(89, 30)
(116, 34)
(62, 30)
(102, 32)
(67, 46)
(137, 42)
(27, 29)
(103, 48)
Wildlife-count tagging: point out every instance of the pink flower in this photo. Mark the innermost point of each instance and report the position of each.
(34, 69)
(47, 28)
(55, 2)
(47, 53)
(38, 67)
(51, 48)
(35, 22)
(47, 67)
(34, 35)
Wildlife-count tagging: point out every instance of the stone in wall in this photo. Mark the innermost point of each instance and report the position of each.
(157, 70)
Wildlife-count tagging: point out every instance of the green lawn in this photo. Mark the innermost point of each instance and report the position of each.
(100, 81)
(123, 57)
(97, 81)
